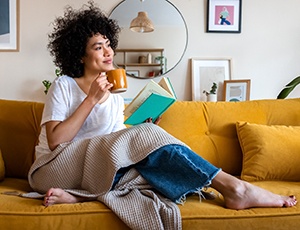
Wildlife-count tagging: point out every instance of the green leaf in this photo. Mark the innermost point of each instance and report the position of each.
(294, 82)
(47, 85)
(58, 72)
(289, 88)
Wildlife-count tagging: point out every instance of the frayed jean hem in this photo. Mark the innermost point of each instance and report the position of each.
(176, 171)
(199, 191)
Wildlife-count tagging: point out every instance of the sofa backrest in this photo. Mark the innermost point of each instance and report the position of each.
(209, 128)
(19, 131)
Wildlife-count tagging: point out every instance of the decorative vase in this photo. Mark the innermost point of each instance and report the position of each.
(211, 97)
(149, 58)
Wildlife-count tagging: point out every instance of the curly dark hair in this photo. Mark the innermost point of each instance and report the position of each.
(67, 43)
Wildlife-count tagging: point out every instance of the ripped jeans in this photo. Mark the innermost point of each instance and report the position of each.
(175, 171)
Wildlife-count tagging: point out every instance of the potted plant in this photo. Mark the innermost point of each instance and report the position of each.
(48, 83)
(212, 94)
(162, 61)
(288, 88)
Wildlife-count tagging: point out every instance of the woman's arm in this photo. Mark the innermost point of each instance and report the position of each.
(63, 131)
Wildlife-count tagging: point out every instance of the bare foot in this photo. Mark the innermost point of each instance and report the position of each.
(239, 194)
(247, 195)
(59, 196)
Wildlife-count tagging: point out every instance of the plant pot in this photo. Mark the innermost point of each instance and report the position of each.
(211, 97)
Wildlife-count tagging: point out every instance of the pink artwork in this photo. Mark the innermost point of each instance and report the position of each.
(224, 15)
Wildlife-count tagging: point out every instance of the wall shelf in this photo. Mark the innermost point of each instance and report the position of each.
(127, 58)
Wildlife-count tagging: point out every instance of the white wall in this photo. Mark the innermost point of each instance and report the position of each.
(267, 51)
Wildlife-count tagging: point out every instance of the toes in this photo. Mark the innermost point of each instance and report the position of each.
(46, 201)
(290, 202)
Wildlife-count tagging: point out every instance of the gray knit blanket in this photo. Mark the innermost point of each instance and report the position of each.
(87, 168)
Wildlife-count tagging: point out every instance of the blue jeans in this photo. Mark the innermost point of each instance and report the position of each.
(175, 171)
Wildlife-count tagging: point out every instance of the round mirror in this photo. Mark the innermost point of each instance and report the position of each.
(147, 54)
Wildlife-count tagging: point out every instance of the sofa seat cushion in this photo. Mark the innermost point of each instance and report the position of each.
(211, 214)
(23, 213)
(271, 152)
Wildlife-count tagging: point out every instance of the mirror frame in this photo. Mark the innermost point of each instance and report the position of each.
(186, 34)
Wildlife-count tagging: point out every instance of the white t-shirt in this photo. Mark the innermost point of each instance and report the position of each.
(63, 99)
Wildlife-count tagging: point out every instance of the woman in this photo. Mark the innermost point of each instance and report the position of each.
(80, 109)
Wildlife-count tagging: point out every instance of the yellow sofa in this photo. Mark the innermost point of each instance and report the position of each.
(263, 151)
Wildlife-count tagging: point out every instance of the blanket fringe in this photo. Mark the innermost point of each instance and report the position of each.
(33, 195)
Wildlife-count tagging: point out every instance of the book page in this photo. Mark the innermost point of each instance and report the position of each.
(151, 87)
(166, 84)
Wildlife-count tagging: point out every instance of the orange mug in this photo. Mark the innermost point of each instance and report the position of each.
(118, 78)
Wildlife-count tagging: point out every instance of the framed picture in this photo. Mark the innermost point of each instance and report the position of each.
(9, 25)
(133, 73)
(237, 90)
(205, 72)
(224, 16)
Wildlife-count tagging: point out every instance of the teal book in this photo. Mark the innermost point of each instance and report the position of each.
(152, 101)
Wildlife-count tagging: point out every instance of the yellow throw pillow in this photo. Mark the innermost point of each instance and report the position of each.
(269, 152)
(2, 168)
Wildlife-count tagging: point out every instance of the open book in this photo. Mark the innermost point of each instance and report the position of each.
(152, 101)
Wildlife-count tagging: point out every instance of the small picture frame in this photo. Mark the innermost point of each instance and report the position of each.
(224, 16)
(207, 71)
(9, 25)
(237, 90)
(133, 73)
